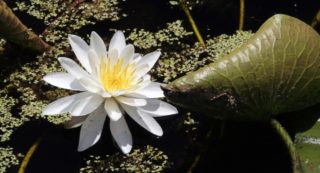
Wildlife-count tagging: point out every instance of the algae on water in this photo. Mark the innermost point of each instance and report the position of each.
(145, 160)
(8, 158)
(23, 92)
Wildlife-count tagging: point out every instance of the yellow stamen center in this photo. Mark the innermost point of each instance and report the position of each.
(117, 76)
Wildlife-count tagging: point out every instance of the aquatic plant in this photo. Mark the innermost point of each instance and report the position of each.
(8, 158)
(147, 159)
(114, 82)
(174, 64)
(307, 143)
(172, 34)
(275, 72)
(7, 122)
(180, 54)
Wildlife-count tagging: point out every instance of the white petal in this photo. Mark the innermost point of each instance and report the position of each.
(150, 59)
(146, 63)
(145, 81)
(91, 85)
(137, 57)
(97, 44)
(118, 93)
(105, 94)
(131, 101)
(158, 108)
(80, 48)
(121, 134)
(86, 105)
(94, 63)
(127, 54)
(152, 90)
(144, 120)
(113, 55)
(91, 129)
(73, 68)
(141, 70)
(112, 109)
(75, 122)
(62, 105)
(117, 42)
(63, 80)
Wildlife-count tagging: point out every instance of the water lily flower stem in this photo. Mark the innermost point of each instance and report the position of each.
(29, 154)
(296, 167)
(192, 22)
(241, 15)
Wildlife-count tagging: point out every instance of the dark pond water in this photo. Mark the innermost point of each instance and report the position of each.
(249, 147)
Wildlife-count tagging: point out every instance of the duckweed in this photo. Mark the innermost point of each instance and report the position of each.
(24, 91)
(30, 92)
(145, 160)
(2, 44)
(175, 64)
(63, 17)
(170, 35)
(189, 3)
(8, 158)
(8, 122)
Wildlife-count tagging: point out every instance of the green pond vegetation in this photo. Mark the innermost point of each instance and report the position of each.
(23, 93)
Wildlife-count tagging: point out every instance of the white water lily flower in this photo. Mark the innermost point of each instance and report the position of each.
(113, 82)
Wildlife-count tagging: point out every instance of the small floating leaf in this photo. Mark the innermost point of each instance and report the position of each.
(308, 145)
(275, 72)
(12, 29)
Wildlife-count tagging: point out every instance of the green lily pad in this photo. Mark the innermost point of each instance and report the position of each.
(314, 132)
(275, 72)
(308, 146)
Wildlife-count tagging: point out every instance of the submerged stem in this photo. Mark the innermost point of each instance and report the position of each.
(241, 15)
(192, 22)
(28, 156)
(296, 167)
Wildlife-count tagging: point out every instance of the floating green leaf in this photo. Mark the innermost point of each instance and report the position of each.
(276, 71)
(308, 145)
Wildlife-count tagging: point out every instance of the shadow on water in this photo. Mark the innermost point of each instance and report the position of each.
(57, 151)
(222, 16)
(249, 147)
(245, 147)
